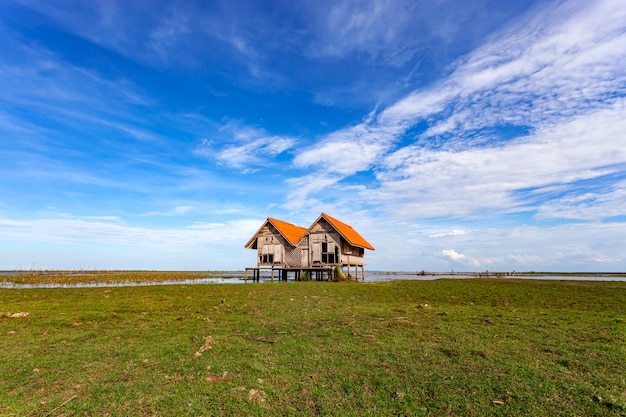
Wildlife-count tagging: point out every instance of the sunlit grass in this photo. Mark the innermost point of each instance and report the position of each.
(446, 347)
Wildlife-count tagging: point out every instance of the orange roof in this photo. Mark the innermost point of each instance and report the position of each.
(291, 232)
(347, 232)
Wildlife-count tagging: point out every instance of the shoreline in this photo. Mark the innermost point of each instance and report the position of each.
(109, 279)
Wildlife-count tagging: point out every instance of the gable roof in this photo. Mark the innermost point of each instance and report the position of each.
(346, 231)
(291, 232)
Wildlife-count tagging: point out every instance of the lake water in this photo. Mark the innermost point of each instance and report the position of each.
(237, 278)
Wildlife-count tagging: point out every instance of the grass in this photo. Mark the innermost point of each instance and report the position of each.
(102, 277)
(426, 348)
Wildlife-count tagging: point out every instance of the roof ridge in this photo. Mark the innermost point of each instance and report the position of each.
(351, 235)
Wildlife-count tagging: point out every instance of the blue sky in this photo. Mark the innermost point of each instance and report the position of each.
(453, 135)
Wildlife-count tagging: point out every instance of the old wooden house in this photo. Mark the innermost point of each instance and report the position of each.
(326, 244)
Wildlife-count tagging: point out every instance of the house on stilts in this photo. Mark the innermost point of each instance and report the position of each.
(328, 243)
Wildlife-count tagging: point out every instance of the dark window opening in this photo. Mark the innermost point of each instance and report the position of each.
(329, 256)
(267, 258)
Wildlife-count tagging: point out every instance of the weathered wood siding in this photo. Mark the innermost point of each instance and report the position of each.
(305, 258)
(322, 246)
(325, 244)
(270, 246)
(327, 247)
(271, 242)
(352, 255)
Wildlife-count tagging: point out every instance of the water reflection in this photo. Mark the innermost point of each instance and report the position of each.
(238, 278)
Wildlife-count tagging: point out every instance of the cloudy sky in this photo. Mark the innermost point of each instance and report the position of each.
(453, 135)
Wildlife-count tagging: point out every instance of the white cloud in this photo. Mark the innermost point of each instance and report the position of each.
(207, 226)
(452, 254)
(243, 147)
(105, 231)
(176, 211)
(459, 258)
(423, 183)
(561, 62)
(394, 32)
(167, 33)
(566, 247)
(447, 234)
(61, 243)
(346, 158)
(302, 187)
(526, 261)
(377, 28)
(587, 206)
(255, 152)
(557, 73)
(9, 222)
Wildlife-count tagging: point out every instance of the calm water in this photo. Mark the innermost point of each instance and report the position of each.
(237, 278)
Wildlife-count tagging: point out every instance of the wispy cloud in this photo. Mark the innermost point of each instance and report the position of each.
(587, 205)
(108, 230)
(176, 211)
(555, 74)
(433, 182)
(243, 147)
(372, 27)
(199, 246)
(303, 187)
(165, 35)
(391, 32)
(573, 246)
(455, 232)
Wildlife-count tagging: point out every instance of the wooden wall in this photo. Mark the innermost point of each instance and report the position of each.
(322, 246)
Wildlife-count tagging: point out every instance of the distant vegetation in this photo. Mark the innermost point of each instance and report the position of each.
(103, 276)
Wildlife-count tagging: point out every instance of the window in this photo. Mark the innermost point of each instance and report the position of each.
(267, 258)
(330, 253)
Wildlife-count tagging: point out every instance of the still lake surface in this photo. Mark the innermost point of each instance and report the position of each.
(237, 277)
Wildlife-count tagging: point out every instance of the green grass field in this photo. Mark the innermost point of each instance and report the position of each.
(441, 348)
